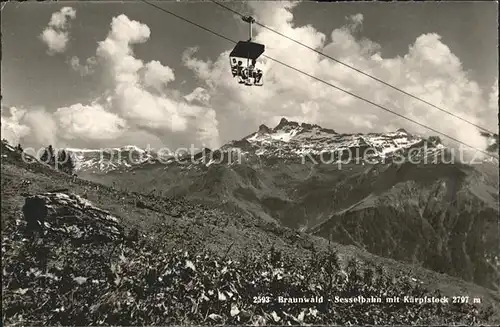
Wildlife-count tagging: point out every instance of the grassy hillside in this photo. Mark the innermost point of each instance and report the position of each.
(198, 264)
(441, 216)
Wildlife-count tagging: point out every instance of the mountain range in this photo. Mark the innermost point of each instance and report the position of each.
(288, 140)
(394, 194)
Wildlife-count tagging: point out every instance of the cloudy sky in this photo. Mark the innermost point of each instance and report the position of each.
(109, 74)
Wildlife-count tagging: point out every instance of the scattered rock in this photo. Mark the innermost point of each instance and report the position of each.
(175, 213)
(70, 215)
(140, 204)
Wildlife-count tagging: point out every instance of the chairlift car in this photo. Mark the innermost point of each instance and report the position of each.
(249, 51)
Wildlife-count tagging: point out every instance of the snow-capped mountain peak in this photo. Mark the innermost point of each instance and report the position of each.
(293, 139)
(287, 140)
(108, 159)
(123, 148)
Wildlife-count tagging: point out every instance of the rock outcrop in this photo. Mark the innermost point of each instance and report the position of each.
(71, 215)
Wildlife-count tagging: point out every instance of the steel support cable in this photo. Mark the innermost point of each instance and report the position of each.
(324, 82)
(356, 69)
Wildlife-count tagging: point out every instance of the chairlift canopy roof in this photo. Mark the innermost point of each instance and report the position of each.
(247, 49)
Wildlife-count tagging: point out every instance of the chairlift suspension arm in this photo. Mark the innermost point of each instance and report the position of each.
(250, 20)
(250, 30)
(250, 34)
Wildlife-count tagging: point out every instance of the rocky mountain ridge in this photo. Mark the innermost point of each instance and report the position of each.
(438, 213)
(288, 140)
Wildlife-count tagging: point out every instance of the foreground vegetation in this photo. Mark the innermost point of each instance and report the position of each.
(57, 280)
(86, 268)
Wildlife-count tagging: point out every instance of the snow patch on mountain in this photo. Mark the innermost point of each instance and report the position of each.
(293, 139)
(288, 139)
(109, 159)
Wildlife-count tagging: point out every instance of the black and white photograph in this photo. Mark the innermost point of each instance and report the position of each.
(250, 163)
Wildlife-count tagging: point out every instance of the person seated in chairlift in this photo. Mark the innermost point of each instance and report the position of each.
(242, 72)
(254, 73)
(238, 68)
(234, 68)
(257, 76)
(251, 68)
(245, 76)
(251, 73)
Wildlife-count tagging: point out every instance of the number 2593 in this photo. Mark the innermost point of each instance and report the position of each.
(261, 299)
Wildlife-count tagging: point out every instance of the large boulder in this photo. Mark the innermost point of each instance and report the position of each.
(35, 212)
(72, 216)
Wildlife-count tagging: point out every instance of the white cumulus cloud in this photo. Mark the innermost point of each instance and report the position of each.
(200, 95)
(13, 130)
(34, 126)
(157, 75)
(55, 35)
(428, 70)
(139, 101)
(89, 122)
(132, 99)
